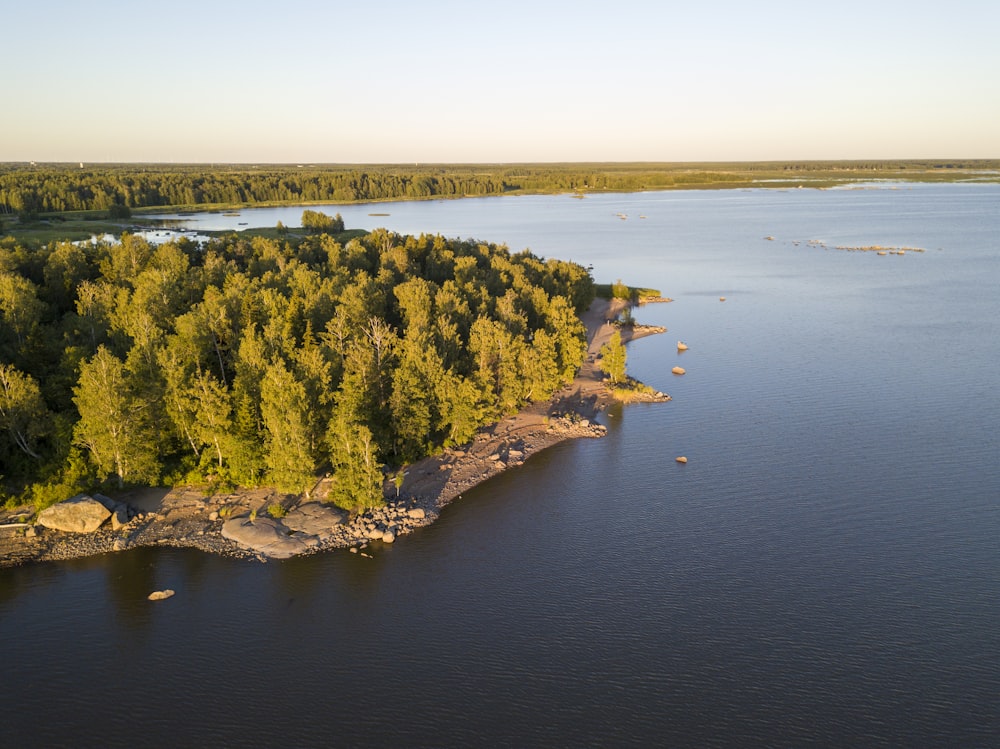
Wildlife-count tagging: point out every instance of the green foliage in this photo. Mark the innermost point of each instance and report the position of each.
(620, 291)
(613, 359)
(631, 293)
(276, 511)
(319, 222)
(115, 425)
(24, 418)
(32, 190)
(357, 472)
(251, 360)
(630, 390)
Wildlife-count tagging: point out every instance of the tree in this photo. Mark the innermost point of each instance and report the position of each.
(357, 473)
(571, 336)
(23, 414)
(284, 409)
(613, 359)
(464, 408)
(414, 400)
(114, 424)
(21, 313)
(320, 223)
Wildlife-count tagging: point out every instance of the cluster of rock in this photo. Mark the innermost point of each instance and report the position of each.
(387, 523)
(313, 526)
(95, 524)
(571, 425)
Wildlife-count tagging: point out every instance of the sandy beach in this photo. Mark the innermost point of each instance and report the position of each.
(185, 517)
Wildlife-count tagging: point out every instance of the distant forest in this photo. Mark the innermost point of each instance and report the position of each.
(28, 190)
(247, 361)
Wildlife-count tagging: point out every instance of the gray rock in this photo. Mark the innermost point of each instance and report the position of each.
(267, 536)
(106, 501)
(79, 514)
(314, 518)
(119, 517)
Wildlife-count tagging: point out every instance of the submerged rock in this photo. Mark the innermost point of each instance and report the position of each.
(79, 514)
(159, 595)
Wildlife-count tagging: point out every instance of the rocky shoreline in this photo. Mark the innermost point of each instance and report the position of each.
(265, 524)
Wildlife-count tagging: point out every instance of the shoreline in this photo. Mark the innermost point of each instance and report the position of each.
(237, 524)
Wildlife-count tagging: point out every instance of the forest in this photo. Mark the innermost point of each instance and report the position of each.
(29, 190)
(248, 361)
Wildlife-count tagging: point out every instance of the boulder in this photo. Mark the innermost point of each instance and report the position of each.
(106, 501)
(267, 536)
(119, 517)
(313, 518)
(159, 595)
(417, 513)
(678, 370)
(388, 537)
(79, 514)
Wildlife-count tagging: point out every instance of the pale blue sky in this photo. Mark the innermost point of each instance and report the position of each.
(440, 81)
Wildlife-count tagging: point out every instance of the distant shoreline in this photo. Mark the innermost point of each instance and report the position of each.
(184, 517)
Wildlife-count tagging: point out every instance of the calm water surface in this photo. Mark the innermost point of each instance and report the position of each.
(824, 571)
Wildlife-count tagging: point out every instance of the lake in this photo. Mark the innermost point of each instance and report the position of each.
(825, 570)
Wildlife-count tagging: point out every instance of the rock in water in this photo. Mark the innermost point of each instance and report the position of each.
(159, 595)
(314, 518)
(267, 536)
(79, 514)
(678, 370)
(681, 459)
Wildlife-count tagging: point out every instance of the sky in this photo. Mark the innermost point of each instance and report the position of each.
(387, 81)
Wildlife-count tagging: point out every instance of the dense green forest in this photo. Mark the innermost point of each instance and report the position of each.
(249, 361)
(28, 190)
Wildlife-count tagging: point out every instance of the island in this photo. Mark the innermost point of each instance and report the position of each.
(322, 390)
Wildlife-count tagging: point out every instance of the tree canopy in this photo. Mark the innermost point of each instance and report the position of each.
(253, 361)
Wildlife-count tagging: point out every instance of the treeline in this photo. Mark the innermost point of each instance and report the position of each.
(28, 190)
(38, 190)
(255, 361)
